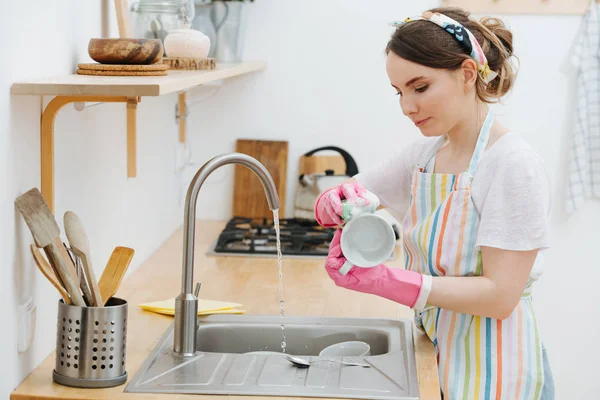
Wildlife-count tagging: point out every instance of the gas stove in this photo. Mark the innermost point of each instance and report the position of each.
(299, 238)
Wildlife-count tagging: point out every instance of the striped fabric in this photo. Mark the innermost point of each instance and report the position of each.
(479, 358)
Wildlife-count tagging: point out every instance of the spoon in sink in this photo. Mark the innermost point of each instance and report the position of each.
(302, 363)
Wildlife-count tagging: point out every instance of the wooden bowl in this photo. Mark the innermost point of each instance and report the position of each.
(125, 51)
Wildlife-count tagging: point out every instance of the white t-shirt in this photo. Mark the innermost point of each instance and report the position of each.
(510, 190)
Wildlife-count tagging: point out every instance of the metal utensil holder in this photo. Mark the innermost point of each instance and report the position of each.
(90, 345)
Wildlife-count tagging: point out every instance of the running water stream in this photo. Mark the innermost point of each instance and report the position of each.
(280, 268)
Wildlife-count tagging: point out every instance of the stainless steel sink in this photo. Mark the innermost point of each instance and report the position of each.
(221, 364)
(210, 355)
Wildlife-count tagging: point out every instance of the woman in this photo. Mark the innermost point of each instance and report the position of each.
(477, 204)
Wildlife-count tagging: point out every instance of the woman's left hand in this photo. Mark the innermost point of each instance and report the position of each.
(335, 260)
(396, 284)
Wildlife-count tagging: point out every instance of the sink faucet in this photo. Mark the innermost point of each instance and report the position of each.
(186, 304)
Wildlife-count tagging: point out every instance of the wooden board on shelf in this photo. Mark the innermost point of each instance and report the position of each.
(249, 198)
(123, 18)
(190, 64)
(541, 7)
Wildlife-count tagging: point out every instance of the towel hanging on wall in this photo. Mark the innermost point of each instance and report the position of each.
(584, 151)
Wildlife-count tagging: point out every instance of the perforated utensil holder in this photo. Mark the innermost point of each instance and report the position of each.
(90, 345)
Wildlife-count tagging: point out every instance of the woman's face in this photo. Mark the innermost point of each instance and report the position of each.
(434, 99)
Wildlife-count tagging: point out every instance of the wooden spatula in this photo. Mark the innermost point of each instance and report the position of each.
(46, 233)
(114, 272)
(80, 245)
(49, 272)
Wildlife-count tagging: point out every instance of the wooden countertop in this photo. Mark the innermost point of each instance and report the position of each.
(247, 280)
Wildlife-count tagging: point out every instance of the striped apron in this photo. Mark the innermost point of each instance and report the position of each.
(478, 358)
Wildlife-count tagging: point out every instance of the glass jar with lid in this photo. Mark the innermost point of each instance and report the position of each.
(154, 19)
(203, 22)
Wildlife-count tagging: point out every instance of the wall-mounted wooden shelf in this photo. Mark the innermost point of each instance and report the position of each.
(131, 86)
(83, 88)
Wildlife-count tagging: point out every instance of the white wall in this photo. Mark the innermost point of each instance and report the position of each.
(325, 84)
(90, 167)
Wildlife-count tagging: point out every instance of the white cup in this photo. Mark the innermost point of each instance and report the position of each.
(367, 241)
(346, 349)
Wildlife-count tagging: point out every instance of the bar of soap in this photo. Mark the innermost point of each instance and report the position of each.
(187, 43)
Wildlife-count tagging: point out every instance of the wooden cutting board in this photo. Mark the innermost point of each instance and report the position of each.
(248, 194)
(319, 164)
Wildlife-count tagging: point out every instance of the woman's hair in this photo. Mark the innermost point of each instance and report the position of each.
(425, 43)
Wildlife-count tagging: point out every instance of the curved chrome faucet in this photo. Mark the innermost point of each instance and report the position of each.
(186, 304)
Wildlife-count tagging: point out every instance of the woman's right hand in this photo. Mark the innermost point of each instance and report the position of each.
(336, 206)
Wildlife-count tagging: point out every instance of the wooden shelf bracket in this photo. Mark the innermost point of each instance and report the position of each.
(132, 103)
(47, 137)
(182, 113)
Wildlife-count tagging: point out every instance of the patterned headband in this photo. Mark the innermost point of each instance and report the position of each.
(468, 42)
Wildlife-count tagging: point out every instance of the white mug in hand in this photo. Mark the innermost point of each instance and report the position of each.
(367, 241)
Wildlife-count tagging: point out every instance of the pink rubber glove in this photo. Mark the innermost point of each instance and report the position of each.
(335, 206)
(405, 287)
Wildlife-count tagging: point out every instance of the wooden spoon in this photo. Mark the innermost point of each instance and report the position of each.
(80, 245)
(46, 233)
(49, 272)
(114, 272)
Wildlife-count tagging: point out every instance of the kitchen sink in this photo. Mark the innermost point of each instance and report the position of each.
(222, 363)
(301, 339)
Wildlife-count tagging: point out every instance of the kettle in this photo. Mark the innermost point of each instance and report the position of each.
(310, 186)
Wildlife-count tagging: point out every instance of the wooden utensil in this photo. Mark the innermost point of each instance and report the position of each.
(49, 272)
(115, 270)
(80, 245)
(46, 233)
(249, 198)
